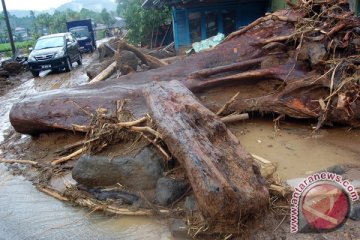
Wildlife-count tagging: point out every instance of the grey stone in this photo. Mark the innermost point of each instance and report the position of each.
(169, 190)
(190, 204)
(178, 229)
(355, 212)
(94, 69)
(137, 172)
(337, 169)
(126, 59)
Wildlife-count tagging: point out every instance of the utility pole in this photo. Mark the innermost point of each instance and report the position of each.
(8, 28)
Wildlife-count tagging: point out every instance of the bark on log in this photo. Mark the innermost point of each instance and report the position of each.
(61, 109)
(227, 186)
(151, 61)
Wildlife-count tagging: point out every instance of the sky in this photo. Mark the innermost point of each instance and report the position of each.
(33, 4)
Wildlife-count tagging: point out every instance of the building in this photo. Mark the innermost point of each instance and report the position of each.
(196, 20)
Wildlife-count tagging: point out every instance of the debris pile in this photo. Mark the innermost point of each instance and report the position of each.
(10, 68)
(308, 58)
(117, 56)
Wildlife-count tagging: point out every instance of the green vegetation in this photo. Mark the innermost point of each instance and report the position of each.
(141, 23)
(100, 34)
(5, 47)
(36, 25)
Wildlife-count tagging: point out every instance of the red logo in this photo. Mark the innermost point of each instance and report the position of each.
(325, 206)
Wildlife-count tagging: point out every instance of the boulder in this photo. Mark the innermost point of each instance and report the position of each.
(355, 212)
(126, 59)
(140, 171)
(169, 190)
(94, 69)
(105, 51)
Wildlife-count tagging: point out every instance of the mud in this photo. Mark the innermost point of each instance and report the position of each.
(296, 149)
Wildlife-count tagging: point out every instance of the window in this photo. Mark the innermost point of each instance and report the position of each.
(211, 23)
(229, 21)
(51, 42)
(195, 26)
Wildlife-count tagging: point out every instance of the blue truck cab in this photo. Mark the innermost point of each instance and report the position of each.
(84, 33)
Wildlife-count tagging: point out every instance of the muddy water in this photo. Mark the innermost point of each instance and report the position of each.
(296, 149)
(26, 213)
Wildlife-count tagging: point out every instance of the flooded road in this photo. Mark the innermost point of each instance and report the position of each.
(26, 213)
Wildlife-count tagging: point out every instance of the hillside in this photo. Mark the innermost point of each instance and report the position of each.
(75, 5)
(95, 5)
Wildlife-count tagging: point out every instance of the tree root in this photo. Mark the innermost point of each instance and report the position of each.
(69, 157)
(261, 20)
(226, 105)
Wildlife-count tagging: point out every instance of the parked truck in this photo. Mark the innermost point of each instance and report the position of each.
(84, 33)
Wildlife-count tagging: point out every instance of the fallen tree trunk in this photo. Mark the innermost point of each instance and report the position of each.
(149, 60)
(221, 173)
(313, 69)
(106, 73)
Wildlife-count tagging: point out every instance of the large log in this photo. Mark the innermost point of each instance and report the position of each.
(316, 67)
(59, 109)
(227, 186)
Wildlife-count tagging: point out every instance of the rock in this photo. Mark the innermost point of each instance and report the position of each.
(94, 69)
(125, 197)
(178, 229)
(190, 204)
(355, 212)
(126, 59)
(137, 172)
(106, 52)
(337, 169)
(169, 190)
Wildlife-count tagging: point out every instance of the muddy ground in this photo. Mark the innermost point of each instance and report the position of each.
(293, 145)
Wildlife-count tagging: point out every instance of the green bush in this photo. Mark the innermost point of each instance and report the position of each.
(141, 22)
(6, 47)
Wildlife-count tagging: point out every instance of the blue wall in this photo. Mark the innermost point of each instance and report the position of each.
(246, 12)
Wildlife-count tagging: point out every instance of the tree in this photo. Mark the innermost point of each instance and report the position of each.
(44, 21)
(122, 6)
(107, 19)
(35, 29)
(141, 22)
(58, 22)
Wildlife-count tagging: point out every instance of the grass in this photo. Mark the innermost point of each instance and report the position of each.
(5, 47)
(100, 34)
